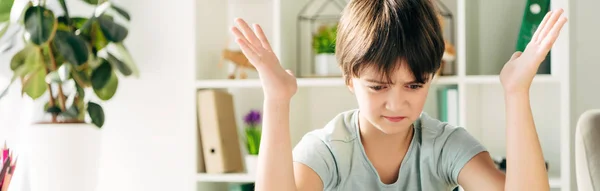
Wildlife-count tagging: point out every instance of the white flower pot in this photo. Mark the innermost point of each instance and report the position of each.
(63, 157)
(251, 162)
(326, 65)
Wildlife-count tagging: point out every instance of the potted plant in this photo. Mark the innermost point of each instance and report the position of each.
(252, 129)
(324, 48)
(71, 63)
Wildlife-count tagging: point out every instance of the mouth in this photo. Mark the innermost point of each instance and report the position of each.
(394, 118)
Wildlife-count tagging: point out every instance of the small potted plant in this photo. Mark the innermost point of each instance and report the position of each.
(252, 130)
(71, 63)
(324, 48)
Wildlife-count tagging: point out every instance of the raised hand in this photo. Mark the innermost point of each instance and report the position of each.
(518, 73)
(278, 84)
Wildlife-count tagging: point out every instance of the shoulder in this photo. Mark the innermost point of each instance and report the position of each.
(449, 146)
(318, 148)
(341, 128)
(438, 131)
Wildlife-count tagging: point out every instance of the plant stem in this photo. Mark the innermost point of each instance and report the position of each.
(52, 102)
(61, 95)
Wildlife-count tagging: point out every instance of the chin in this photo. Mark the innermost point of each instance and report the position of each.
(390, 128)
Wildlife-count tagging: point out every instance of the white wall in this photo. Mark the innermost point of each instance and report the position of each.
(150, 129)
(585, 64)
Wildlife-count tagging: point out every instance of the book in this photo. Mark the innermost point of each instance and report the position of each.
(448, 105)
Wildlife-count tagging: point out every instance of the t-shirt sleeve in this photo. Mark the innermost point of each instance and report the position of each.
(314, 153)
(459, 148)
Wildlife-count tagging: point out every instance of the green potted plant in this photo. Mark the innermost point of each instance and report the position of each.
(324, 47)
(252, 131)
(70, 63)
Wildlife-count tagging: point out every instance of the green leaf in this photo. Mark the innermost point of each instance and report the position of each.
(71, 113)
(26, 61)
(53, 109)
(101, 75)
(109, 89)
(100, 40)
(91, 2)
(79, 22)
(78, 101)
(113, 31)
(121, 11)
(71, 47)
(90, 29)
(5, 7)
(19, 59)
(82, 77)
(96, 113)
(34, 85)
(123, 68)
(40, 24)
(62, 24)
(127, 59)
(80, 91)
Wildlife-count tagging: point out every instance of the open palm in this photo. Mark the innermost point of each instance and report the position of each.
(518, 73)
(278, 84)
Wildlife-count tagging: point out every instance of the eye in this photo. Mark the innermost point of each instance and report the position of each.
(377, 88)
(415, 86)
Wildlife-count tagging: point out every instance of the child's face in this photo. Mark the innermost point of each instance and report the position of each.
(391, 108)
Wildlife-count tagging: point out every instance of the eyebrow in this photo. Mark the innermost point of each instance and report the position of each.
(382, 82)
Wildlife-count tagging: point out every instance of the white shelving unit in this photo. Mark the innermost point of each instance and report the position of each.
(482, 50)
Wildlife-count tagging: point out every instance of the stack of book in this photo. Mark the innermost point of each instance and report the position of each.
(7, 169)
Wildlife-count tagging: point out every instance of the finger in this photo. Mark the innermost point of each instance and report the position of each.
(549, 25)
(262, 37)
(239, 35)
(553, 35)
(540, 27)
(516, 55)
(251, 54)
(248, 32)
(290, 72)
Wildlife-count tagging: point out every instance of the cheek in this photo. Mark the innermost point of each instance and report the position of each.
(418, 99)
(367, 101)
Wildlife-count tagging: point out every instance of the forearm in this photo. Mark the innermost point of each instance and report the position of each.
(525, 162)
(275, 165)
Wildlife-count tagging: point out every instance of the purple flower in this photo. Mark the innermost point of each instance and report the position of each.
(252, 118)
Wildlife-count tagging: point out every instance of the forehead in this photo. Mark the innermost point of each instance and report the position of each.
(401, 73)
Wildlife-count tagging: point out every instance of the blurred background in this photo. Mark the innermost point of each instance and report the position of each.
(189, 67)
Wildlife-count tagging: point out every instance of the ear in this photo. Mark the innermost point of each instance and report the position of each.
(350, 85)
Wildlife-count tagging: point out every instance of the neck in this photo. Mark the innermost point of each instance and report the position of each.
(373, 137)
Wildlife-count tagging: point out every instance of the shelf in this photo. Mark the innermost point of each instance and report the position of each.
(495, 79)
(247, 178)
(302, 82)
(229, 177)
(555, 182)
(339, 82)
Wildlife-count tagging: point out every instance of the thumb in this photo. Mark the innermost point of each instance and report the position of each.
(516, 55)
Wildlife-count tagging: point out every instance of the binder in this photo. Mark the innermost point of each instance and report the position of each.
(218, 132)
(534, 13)
(448, 105)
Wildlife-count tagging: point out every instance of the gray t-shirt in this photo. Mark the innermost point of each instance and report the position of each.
(436, 154)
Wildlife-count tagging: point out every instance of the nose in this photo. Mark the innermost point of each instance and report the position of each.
(396, 100)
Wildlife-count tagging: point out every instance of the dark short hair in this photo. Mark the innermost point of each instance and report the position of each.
(379, 33)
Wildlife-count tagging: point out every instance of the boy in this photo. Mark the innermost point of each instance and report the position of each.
(389, 51)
